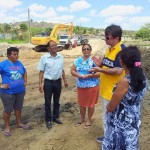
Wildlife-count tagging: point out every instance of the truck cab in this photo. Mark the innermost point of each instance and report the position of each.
(67, 42)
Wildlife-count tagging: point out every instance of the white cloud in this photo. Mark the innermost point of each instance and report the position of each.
(50, 15)
(19, 10)
(37, 8)
(93, 12)
(120, 10)
(82, 19)
(10, 19)
(9, 4)
(23, 16)
(114, 19)
(43, 15)
(37, 13)
(140, 19)
(132, 23)
(60, 19)
(2, 15)
(79, 5)
(126, 25)
(61, 8)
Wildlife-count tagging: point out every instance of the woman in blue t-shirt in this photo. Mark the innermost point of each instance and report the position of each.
(14, 80)
(87, 85)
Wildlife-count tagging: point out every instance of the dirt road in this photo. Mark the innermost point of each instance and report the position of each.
(66, 136)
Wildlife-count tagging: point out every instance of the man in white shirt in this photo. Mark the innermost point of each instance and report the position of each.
(51, 69)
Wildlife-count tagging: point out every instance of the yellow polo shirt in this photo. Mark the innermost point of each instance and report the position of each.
(110, 60)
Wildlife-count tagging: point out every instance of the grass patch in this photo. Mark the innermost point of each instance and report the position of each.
(10, 41)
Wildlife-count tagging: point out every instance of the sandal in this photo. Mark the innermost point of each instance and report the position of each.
(25, 127)
(79, 123)
(87, 126)
(7, 133)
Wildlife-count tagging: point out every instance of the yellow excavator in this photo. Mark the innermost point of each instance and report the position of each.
(41, 42)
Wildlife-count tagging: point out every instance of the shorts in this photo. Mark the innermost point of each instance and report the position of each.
(12, 101)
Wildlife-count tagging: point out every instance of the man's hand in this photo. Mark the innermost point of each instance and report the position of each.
(97, 61)
(40, 88)
(66, 83)
(96, 69)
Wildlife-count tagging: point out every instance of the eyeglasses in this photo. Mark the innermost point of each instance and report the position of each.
(84, 49)
(53, 46)
(15, 54)
(107, 37)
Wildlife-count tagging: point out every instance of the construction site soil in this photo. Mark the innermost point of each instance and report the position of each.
(65, 136)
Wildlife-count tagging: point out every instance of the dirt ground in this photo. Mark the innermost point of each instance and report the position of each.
(65, 136)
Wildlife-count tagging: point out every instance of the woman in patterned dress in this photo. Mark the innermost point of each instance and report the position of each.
(123, 124)
(87, 85)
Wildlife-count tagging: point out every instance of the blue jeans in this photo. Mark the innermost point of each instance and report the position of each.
(104, 115)
(52, 89)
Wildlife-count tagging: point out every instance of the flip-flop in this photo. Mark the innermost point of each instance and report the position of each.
(79, 123)
(7, 133)
(87, 126)
(25, 127)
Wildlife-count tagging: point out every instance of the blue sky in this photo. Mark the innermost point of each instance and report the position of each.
(129, 14)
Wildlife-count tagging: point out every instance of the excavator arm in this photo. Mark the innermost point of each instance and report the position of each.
(41, 42)
(58, 27)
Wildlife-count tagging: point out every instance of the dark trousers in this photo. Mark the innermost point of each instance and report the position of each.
(52, 88)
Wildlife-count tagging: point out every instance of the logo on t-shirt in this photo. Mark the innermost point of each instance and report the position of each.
(15, 75)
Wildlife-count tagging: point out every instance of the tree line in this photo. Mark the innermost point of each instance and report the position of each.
(20, 33)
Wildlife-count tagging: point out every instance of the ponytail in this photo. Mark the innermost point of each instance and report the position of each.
(137, 79)
(131, 57)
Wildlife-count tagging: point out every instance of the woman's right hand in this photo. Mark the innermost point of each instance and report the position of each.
(4, 86)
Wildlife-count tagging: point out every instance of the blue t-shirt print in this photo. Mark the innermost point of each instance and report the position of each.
(15, 75)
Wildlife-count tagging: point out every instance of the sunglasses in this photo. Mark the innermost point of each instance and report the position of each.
(84, 49)
(107, 37)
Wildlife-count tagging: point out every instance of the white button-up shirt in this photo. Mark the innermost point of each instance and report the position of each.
(52, 66)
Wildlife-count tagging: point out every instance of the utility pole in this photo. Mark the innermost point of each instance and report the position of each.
(29, 24)
(80, 28)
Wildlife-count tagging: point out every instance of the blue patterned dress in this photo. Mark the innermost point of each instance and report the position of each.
(83, 67)
(123, 125)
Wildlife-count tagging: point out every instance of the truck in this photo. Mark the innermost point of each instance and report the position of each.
(41, 42)
(81, 39)
(67, 42)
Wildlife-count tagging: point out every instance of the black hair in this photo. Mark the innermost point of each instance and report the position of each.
(12, 49)
(88, 45)
(129, 56)
(48, 44)
(114, 30)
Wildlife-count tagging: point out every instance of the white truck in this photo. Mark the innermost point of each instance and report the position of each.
(67, 43)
